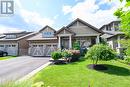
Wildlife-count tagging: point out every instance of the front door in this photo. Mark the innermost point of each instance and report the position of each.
(65, 43)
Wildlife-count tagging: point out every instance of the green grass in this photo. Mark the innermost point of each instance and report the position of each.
(7, 57)
(18, 84)
(78, 75)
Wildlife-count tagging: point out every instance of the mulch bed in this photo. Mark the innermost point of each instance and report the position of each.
(58, 62)
(97, 67)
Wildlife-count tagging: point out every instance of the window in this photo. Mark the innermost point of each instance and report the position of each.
(13, 45)
(10, 36)
(1, 45)
(48, 34)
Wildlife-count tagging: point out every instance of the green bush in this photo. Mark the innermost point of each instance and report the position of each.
(76, 45)
(127, 60)
(100, 52)
(56, 55)
(66, 54)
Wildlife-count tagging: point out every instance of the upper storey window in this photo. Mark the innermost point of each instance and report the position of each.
(10, 36)
(48, 34)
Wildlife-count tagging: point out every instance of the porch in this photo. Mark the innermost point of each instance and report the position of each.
(66, 41)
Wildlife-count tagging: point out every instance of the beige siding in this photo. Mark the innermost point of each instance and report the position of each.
(47, 30)
(64, 32)
(80, 28)
(83, 30)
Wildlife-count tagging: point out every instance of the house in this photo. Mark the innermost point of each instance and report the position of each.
(15, 43)
(48, 40)
(43, 43)
(113, 35)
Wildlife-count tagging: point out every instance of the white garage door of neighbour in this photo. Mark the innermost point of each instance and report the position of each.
(1, 47)
(11, 50)
(42, 49)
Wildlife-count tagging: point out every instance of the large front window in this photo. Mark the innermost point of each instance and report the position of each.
(10, 36)
(48, 34)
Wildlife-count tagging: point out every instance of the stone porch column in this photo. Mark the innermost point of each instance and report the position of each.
(59, 42)
(70, 42)
(97, 39)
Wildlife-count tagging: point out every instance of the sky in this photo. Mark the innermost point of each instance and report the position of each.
(33, 15)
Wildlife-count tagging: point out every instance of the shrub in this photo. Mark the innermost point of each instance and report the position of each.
(127, 60)
(100, 52)
(66, 54)
(76, 45)
(56, 55)
(75, 55)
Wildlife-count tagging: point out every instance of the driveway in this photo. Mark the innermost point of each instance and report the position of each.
(14, 69)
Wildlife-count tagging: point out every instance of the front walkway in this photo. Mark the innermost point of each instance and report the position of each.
(13, 69)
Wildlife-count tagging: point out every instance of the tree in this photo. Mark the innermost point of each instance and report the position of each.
(100, 52)
(123, 14)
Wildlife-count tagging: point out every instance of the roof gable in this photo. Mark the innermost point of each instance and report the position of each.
(79, 22)
(47, 27)
(64, 30)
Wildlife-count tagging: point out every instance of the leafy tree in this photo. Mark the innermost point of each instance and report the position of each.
(100, 52)
(123, 14)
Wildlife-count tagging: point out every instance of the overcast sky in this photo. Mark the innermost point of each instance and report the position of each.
(32, 15)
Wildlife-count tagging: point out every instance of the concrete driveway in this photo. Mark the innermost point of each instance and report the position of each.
(14, 69)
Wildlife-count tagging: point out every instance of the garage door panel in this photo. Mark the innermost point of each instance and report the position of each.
(42, 49)
(11, 49)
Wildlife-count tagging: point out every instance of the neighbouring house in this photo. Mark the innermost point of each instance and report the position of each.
(48, 40)
(15, 43)
(113, 35)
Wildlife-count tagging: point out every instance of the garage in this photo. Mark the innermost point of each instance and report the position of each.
(11, 49)
(44, 49)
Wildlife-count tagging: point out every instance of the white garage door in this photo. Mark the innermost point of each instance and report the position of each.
(42, 49)
(11, 49)
(2, 47)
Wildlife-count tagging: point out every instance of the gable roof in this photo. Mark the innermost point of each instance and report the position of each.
(85, 23)
(19, 38)
(64, 28)
(109, 34)
(46, 27)
(117, 21)
(15, 32)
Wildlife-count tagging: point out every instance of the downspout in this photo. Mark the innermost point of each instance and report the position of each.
(18, 48)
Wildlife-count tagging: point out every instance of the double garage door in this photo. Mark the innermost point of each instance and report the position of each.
(11, 49)
(42, 49)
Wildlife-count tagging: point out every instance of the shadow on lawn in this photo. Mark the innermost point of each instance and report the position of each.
(116, 70)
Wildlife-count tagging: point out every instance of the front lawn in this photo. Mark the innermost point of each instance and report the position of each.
(78, 75)
(7, 57)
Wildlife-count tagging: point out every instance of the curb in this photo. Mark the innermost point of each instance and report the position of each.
(33, 72)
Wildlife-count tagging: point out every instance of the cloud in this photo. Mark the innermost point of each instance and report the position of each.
(90, 11)
(4, 29)
(24, 19)
(66, 9)
(35, 18)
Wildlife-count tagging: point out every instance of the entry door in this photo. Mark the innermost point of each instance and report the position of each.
(65, 43)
